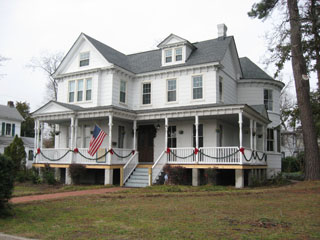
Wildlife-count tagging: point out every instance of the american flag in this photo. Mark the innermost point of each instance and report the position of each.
(96, 140)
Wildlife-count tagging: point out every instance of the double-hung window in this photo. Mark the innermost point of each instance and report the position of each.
(84, 59)
(123, 89)
(268, 102)
(178, 52)
(71, 91)
(88, 89)
(197, 87)
(146, 93)
(79, 90)
(168, 55)
(270, 139)
(220, 89)
(172, 90)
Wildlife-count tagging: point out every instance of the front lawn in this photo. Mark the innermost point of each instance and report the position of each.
(25, 189)
(287, 212)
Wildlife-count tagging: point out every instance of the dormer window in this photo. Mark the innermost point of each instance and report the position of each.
(84, 59)
(178, 52)
(168, 54)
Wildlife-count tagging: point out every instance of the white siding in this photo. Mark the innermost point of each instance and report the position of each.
(17, 126)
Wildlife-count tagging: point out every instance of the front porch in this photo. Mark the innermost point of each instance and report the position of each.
(222, 137)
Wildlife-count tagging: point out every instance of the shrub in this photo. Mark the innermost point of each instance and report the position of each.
(176, 175)
(48, 175)
(77, 171)
(7, 175)
(291, 164)
(17, 153)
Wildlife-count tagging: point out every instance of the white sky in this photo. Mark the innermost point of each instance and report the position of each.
(31, 27)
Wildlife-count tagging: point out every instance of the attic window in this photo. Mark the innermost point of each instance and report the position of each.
(178, 54)
(168, 54)
(84, 59)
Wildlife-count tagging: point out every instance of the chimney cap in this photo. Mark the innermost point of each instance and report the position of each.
(222, 30)
(10, 104)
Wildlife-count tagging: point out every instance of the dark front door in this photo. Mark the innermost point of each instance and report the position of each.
(146, 134)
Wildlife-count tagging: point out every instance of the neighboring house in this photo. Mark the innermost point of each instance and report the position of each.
(10, 126)
(291, 143)
(195, 105)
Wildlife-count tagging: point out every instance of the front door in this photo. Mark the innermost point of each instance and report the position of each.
(146, 135)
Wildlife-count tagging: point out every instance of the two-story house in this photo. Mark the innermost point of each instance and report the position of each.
(10, 126)
(195, 105)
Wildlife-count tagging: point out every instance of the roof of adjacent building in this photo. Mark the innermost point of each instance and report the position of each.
(251, 71)
(205, 52)
(27, 141)
(10, 113)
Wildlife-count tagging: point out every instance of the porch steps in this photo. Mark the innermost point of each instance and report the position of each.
(139, 178)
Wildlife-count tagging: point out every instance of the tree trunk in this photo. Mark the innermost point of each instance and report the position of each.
(315, 32)
(312, 161)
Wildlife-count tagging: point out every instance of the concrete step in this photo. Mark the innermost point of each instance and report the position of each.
(137, 185)
(138, 177)
(142, 170)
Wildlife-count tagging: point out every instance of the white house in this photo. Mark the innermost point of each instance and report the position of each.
(10, 126)
(196, 105)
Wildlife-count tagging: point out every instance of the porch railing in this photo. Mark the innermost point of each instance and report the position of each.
(158, 166)
(181, 155)
(219, 155)
(120, 155)
(130, 166)
(54, 155)
(253, 157)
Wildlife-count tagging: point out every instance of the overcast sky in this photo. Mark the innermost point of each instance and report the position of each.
(29, 28)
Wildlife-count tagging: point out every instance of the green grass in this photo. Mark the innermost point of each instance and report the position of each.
(25, 189)
(287, 212)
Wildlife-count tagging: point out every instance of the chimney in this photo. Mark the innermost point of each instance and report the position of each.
(222, 30)
(10, 104)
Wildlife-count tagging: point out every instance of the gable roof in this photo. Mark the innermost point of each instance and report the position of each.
(251, 71)
(10, 113)
(205, 52)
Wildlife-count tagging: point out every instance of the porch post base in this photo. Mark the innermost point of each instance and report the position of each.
(195, 177)
(239, 174)
(68, 177)
(108, 176)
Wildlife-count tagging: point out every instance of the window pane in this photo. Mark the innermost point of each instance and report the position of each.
(178, 54)
(197, 81)
(88, 95)
(71, 96)
(168, 55)
(8, 129)
(79, 96)
(146, 99)
(171, 96)
(71, 86)
(89, 84)
(123, 86)
(197, 93)
(85, 55)
(80, 85)
(171, 84)
(122, 97)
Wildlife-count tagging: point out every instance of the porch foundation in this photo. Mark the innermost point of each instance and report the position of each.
(195, 177)
(239, 175)
(108, 176)
(57, 174)
(68, 177)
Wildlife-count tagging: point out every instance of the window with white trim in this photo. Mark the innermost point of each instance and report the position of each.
(146, 93)
(268, 101)
(172, 90)
(71, 91)
(79, 90)
(270, 139)
(84, 59)
(88, 89)
(178, 53)
(123, 89)
(121, 133)
(168, 55)
(197, 87)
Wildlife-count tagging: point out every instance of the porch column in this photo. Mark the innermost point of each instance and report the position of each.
(197, 140)
(239, 174)
(251, 133)
(57, 137)
(263, 140)
(135, 135)
(195, 177)
(72, 133)
(110, 137)
(68, 177)
(35, 142)
(42, 134)
(83, 131)
(166, 125)
(255, 135)
(240, 134)
(75, 133)
(108, 176)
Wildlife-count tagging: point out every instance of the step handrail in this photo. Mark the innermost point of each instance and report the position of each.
(130, 166)
(156, 171)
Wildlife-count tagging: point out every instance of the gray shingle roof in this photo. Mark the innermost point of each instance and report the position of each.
(251, 71)
(10, 113)
(261, 109)
(205, 52)
(27, 141)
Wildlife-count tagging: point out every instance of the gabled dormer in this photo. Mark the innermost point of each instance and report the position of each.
(175, 50)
